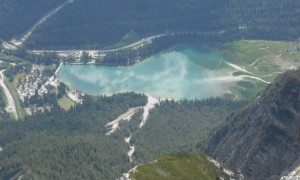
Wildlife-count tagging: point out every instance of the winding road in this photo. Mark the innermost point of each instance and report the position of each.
(11, 106)
(136, 44)
(147, 40)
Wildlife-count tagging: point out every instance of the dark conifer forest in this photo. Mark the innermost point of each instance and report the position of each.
(97, 24)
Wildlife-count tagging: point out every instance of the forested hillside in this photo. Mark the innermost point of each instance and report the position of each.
(268, 19)
(97, 24)
(63, 145)
(100, 23)
(17, 16)
(174, 127)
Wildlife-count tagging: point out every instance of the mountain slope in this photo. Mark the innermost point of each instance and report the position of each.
(174, 127)
(67, 144)
(17, 16)
(263, 139)
(183, 166)
(100, 23)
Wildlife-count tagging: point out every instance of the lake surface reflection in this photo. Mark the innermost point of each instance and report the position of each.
(185, 72)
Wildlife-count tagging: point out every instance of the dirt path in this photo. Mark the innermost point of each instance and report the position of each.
(94, 52)
(239, 68)
(113, 125)
(11, 106)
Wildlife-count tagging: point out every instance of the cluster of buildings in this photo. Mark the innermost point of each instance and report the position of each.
(51, 84)
(30, 84)
(75, 54)
(35, 83)
(76, 96)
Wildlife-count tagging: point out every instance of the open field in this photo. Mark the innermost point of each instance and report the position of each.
(19, 77)
(65, 103)
(263, 59)
(185, 166)
(20, 110)
(8, 99)
(249, 51)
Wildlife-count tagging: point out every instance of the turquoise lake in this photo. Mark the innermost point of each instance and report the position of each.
(185, 72)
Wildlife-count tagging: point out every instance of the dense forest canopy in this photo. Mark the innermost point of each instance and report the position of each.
(175, 127)
(17, 16)
(97, 24)
(63, 144)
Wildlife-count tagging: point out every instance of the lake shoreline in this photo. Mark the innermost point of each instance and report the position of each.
(186, 72)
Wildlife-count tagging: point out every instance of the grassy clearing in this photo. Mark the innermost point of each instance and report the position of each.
(265, 59)
(294, 56)
(11, 115)
(274, 46)
(65, 103)
(248, 51)
(20, 110)
(19, 77)
(10, 59)
(298, 171)
(244, 92)
(185, 166)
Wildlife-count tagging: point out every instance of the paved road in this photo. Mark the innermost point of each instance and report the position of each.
(135, 44)
(102, 51)
(11, 107)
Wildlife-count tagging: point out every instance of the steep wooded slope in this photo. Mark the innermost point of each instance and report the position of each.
(17, 16)
(100, 23)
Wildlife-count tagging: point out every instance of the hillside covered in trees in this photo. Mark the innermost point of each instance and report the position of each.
(97, 24)
(17, 16)
(62, 144)
(175, 127)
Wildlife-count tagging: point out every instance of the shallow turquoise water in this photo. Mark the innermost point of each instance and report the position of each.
(185, 72)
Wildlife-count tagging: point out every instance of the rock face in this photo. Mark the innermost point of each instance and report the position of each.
(262, 139)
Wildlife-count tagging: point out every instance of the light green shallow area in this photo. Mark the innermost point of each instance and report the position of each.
(184, 72)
